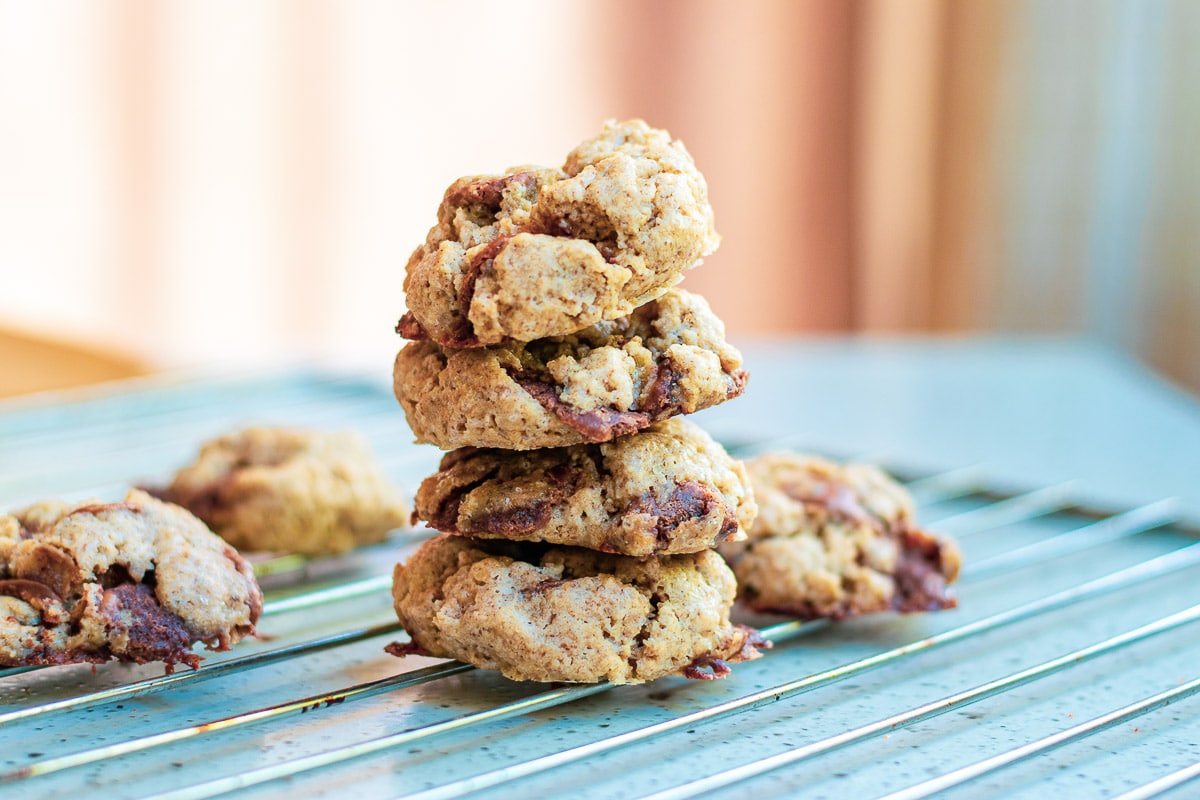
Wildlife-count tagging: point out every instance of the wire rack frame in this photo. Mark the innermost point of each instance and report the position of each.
(977, 515)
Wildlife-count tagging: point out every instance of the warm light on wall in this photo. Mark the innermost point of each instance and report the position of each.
(211, 182)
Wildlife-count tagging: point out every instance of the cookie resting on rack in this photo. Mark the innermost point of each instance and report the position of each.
(834, 540)
(668, 357)
(536, 612)
(545, 252)
(290, 491)
(139, 581)
(667, 489)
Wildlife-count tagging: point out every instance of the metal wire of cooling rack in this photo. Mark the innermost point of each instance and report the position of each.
(1064, 612)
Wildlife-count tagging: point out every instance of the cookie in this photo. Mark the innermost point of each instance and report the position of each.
(669, 489)
(279, 490)
(541, 613)
(837, 541)
(139, 581)
(541, 252)
(668, 357)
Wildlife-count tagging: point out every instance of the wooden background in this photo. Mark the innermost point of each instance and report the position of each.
(228, 183)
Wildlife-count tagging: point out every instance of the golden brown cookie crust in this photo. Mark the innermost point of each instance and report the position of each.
(668, 489)
(835, 540)
(290, 491)
(669, 357)
(139, 581)
(545, 252)
(539, 613)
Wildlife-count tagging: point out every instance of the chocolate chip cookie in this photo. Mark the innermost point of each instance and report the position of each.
(837, 541)
(669, 489)
(668, 357)
(541, 613)
(543, 252)
(281, 490)
(139, 581)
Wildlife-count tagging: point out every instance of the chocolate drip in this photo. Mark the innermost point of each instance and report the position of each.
(153, 633)
(402, 649)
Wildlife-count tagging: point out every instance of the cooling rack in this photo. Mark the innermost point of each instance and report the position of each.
(1067, 667)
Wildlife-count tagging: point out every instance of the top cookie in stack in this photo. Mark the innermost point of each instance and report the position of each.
(548, 252)
(544, 319)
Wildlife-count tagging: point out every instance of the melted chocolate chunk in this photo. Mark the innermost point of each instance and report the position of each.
(207, 501)
(662, 398)
(53, 568)
(409, 328)
(557, 226)
(513, 521)
(463, 333)
(744, 647)
(482, 260)
(154, 634)
(836, 498)
(543, 586)
(402, 649)
(97, 508)
(444, 516)
(707, 668)
(44, 599)
(598, 425)
(687, 501)
(561, 482)
(118, 574)
(920, 584)
(487, 191)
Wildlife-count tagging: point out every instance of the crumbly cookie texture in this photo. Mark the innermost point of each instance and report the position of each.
(541, 613)
(668, 489)
(835, 540)
(141, 580)
(668, 357)
(291, 491)
(544, 252)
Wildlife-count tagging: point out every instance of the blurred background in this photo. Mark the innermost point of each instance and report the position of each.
(232, 184)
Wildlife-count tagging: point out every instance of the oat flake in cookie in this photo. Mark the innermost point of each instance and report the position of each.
(139, 581)
(668, 357)
(290, 491)
(669, 489)
(541, 613)
(837, 541)
(544, 252)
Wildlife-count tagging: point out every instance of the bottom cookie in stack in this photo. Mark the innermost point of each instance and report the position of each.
(581, 563)
(547, 613)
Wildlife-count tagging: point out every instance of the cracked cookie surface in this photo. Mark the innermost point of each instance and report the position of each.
(141, 580)
(667, 489)
(542, 252)
(834, 540)
(290, 491)
(668, 357)
(542, 613)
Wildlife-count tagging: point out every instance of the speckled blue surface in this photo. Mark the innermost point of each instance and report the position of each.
(1023, 410)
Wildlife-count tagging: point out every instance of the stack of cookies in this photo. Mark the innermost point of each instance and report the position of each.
(553, 359)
